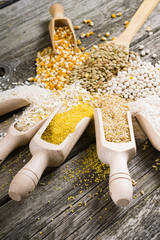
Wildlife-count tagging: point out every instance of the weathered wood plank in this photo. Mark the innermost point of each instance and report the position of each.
(17, 159)
(143, 219)
(24, 31)
(36, 14)
(24, 225)
(5, 3)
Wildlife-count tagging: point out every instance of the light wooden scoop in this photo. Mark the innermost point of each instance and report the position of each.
(136, 22)
(116, 155)
(58, 20)
(152, 134)
(15, 138)
(44, 154)
(12, 104)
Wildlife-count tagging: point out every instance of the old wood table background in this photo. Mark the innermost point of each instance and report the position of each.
(24, 31)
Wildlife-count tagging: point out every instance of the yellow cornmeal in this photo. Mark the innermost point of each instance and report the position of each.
(65, 123)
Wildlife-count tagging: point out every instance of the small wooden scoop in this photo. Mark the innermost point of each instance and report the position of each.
(44, 154)
(116, 155)
(58, 20)
(136, 22)
(12, 104)
(16, 138)
(152, 134)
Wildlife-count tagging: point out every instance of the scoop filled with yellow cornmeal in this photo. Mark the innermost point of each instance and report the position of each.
(50, 147)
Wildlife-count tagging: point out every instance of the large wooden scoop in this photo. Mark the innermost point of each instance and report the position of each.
(136, 22)
(12, 104)
(44, 154)
(58, 20)
(152, 134)
(15, 138)
(116, 155)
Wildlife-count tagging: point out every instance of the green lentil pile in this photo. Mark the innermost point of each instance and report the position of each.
(102, 64)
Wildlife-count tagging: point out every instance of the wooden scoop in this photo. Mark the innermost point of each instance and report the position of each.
(152, 134)
(16, 138)
(136, 22)
(58, 20)
(44, 154)
(116, 155)
(12, 104)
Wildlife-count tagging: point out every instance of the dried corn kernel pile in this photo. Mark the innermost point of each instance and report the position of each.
(54, 70)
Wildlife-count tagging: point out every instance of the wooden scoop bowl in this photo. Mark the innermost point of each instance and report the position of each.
(44, 154)
(152, 134)
(12, 104)
(16, 138)
(58, 20)
(116, 155)
(136, 22)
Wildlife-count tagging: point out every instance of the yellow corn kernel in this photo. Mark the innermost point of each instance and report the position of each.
(77, 27)
(83, 49)
(95, 46)
(89, 21)
(85, 21)
(87, 34)
(91, 33)
(103, 38)
(42, 64)
(113, 15)
(79, 42)
(82, 35)
(107, 34)
(119, 14)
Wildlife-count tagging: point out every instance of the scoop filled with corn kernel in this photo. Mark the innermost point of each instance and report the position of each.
(58, 19)
(53, 71)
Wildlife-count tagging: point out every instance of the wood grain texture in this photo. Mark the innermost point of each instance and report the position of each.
(5, 3)
(24, 31)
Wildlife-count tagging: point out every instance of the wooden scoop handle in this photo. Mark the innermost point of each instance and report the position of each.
(57, 10)
(120, 184)
(27, 178)
(138, 19)
(8, 144)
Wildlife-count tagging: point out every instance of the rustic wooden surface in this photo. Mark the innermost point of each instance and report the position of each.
(24, 31)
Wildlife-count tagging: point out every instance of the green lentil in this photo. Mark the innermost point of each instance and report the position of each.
(102, 64)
